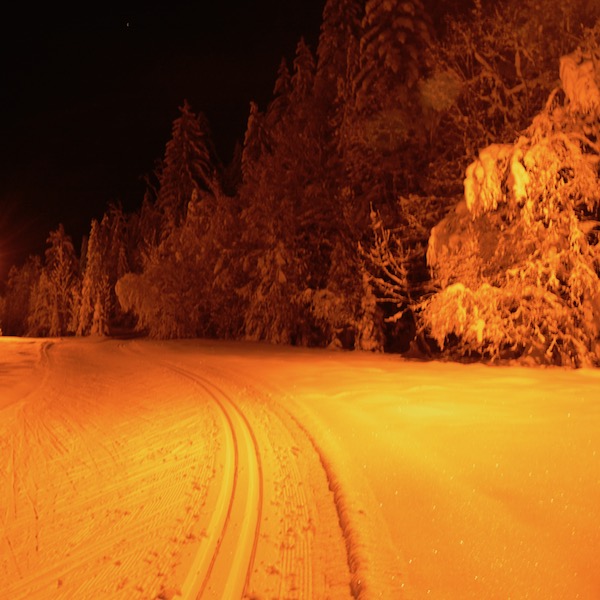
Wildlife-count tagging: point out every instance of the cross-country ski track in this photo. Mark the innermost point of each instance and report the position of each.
(223, 563)
(138, 469)
(130, 476)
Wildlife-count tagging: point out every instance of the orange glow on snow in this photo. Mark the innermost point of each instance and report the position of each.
(143, 469)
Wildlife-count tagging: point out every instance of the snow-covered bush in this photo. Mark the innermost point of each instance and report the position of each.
(518, 261)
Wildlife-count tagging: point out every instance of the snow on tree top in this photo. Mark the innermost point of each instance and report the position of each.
(483, 178)
(580, 81)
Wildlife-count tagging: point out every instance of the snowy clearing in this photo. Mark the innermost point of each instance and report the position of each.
(139, 469)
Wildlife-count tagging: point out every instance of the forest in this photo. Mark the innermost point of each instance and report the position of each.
(419, 185)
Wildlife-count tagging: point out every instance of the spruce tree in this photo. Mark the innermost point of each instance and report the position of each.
(304, 73)
(380, 135)
(19, 288)
(255, 145)
(170, 291)
(340, 31)
(94, 301)
(189, 166)
(285, 164)
(52, 299)
(394, 36)
(278, 106)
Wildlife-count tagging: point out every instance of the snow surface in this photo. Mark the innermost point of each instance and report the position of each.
(139, 469)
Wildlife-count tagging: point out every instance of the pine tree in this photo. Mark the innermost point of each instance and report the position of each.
(51, 302)
(278, 106)
(180, 291)
(105, 261)
(272, 196)
(340, 31)
(337, 288)
(145, 231)
(380, 133)
(395, 34)
(169, 290)
(94, 301)
(304, 73)
(20, 284)
(255, 144)
(293, 221)
(189, 166)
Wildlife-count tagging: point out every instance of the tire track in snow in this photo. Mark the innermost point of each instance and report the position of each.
(223, 564)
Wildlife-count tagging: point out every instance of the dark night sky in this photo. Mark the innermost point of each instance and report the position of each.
(88, 96)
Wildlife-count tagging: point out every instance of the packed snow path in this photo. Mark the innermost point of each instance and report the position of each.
(129, 472)
(138, 469)
(223, 564)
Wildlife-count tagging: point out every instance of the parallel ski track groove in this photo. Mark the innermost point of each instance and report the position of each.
(214, 391)
(294, 582)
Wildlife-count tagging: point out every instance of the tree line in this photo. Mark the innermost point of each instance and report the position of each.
(416, 183)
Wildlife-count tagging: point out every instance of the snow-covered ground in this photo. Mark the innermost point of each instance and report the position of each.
(139, 469)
